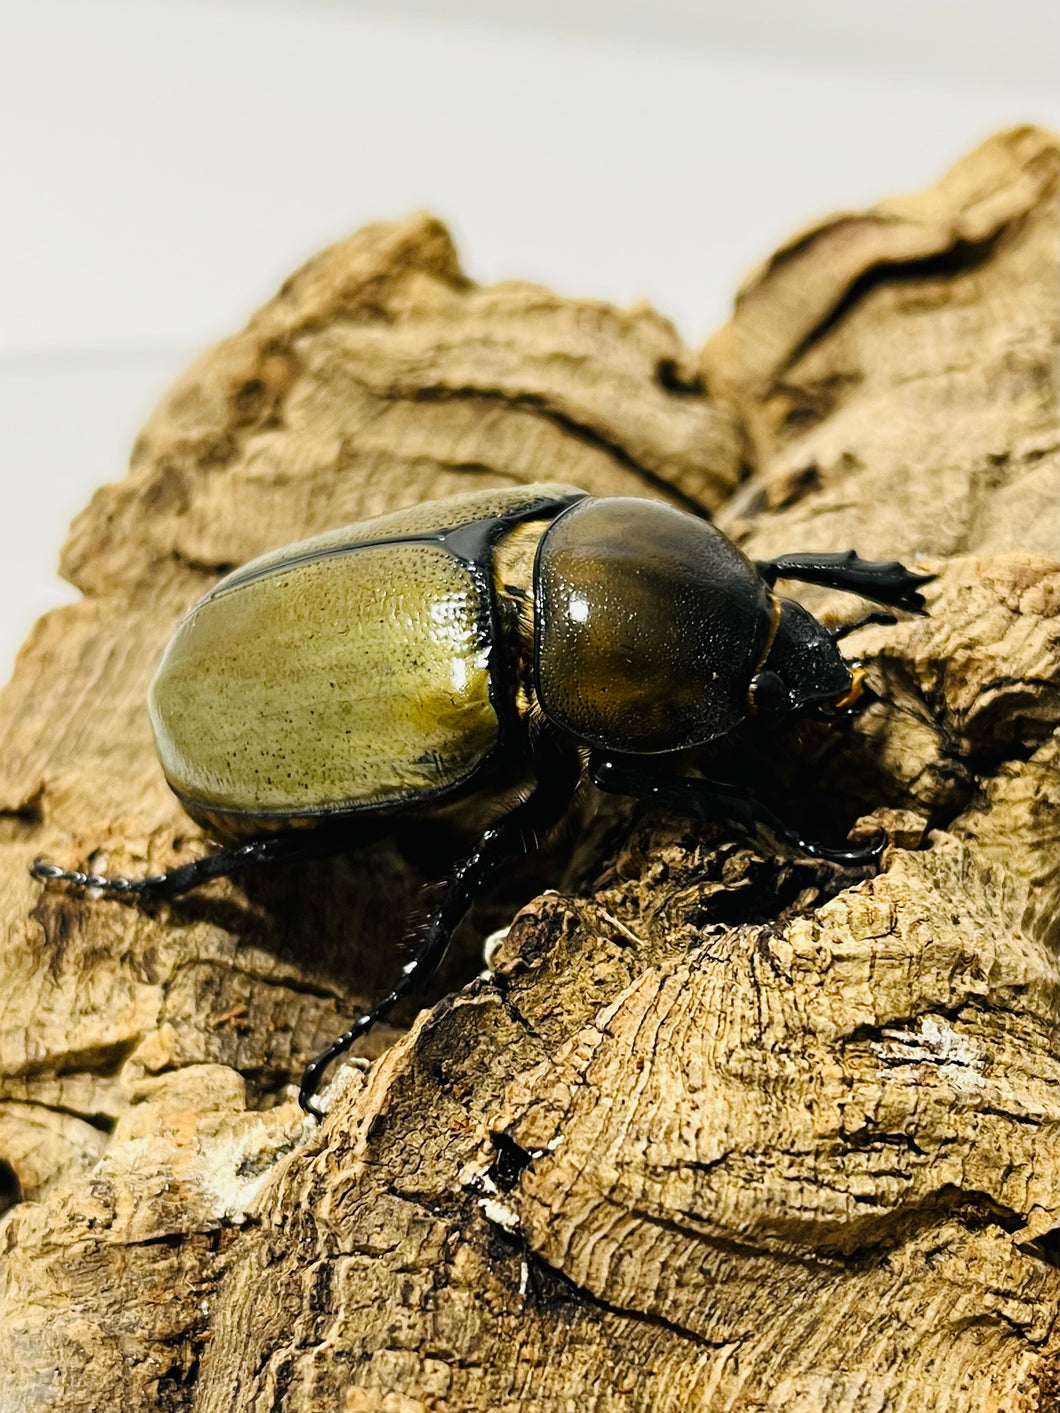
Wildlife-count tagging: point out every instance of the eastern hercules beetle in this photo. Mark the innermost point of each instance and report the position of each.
(465, 645)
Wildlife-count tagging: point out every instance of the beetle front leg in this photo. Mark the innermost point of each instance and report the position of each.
(886, 582)
(713, 799)
(558, 769)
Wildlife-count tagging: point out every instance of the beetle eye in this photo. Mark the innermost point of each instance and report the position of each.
(769, 696)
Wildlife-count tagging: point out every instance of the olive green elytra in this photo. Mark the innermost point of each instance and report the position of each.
(344, 673)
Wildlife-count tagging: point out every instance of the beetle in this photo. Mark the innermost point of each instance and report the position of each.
(455, 649)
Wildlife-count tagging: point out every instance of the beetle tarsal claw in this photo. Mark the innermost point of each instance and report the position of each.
(856, 856)
(639, 633)
(95, 882)
(41, 868)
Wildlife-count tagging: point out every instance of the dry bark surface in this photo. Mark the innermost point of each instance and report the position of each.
(724, 1128)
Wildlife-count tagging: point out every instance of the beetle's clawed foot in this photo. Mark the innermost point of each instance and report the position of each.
(907, 589)
(272, 849)
(311, 1077)
(310, 1106)
(857, 856)
(51, 873)
(899, 587)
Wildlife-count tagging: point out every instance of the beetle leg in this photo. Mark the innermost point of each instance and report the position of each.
(713, 799)
(881, 581)
(870, 619)
(558, 769)
(275, 848)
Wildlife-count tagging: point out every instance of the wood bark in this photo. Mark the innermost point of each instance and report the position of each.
(723, 1127)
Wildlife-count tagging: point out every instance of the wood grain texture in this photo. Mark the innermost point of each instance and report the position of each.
(723, 1128)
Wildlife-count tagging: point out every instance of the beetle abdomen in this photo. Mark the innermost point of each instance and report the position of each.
(348, 682)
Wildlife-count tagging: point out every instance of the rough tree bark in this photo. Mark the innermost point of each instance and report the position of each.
(776, 1136)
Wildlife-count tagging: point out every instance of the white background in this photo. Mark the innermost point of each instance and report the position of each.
(165, 163)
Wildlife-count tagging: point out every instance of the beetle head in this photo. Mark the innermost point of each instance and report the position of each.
(804, 670)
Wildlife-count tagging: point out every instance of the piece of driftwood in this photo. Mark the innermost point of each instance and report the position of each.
(725, 1128)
